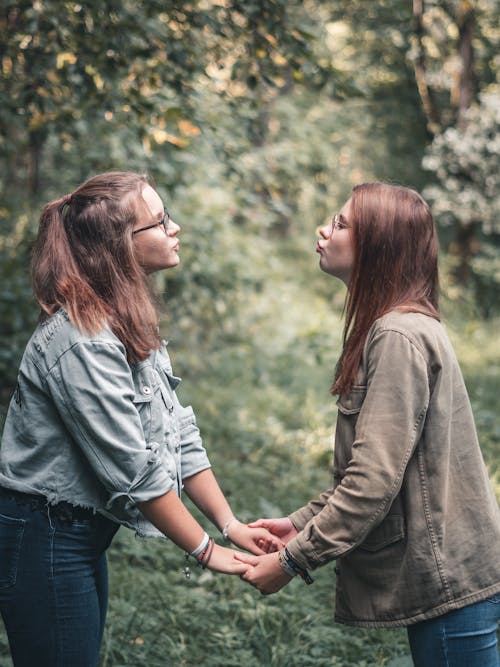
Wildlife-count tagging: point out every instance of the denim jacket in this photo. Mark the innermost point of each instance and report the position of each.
(411, 518)
(86, 427)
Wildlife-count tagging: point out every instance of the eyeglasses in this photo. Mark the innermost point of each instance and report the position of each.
(165, 221)
(338, 222)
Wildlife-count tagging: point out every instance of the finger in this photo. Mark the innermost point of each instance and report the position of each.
(258, 551)
(246, 558)
(260, 523)
(240, 568)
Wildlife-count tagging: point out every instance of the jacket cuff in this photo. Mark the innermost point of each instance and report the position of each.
(302, 553)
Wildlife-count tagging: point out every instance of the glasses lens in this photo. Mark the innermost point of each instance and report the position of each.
(166, 222)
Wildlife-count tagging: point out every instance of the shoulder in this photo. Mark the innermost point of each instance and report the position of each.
(57, 335)
(420, 331)
(414, 326)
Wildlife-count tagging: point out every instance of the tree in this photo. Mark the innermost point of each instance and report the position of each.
(454, 49)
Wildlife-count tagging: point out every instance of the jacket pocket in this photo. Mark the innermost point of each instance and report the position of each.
(11, 537)
(349, 406)
(351, 403)
(391, 530)
(148, 401)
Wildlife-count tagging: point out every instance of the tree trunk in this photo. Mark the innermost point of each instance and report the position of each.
(426, 94)
(467, 93)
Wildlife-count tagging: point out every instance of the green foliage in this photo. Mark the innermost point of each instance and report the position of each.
(255, 119)
(467, 193)
(17, 309)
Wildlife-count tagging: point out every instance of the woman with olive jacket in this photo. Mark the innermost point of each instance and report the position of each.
(411, 518)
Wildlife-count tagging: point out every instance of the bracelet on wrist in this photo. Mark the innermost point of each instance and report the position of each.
(285, 567)
(201, 547)
(205, 555)
(287, 561)
(225, 534)
(202, 554)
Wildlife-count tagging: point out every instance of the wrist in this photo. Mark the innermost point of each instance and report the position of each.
(288, 564)
(225, 528)
(204, 556)
(201, 547)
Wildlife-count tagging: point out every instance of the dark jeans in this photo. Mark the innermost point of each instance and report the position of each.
(466, 637)
(53, 583)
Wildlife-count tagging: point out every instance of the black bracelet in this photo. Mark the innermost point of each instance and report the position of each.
(289, 562)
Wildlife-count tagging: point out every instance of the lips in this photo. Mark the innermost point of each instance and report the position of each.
(318, 248)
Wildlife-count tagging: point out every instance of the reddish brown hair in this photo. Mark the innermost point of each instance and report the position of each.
(395, 266)
(83, 260)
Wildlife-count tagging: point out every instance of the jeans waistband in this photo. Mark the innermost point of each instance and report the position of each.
(63, 510)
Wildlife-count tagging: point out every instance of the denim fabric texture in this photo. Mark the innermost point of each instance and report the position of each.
(53, 584)
(86, 427)
(466, 637)
(411, 518)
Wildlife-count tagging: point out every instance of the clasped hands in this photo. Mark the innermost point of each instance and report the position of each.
(263, 538)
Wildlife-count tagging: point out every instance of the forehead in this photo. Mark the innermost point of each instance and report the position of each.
(152, 200)
(346, 208)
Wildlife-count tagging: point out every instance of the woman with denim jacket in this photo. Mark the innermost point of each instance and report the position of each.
(95, 436)
(411, 518)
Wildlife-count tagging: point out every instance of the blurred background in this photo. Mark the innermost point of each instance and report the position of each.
(255, 119)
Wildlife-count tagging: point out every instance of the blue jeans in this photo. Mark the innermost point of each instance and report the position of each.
(465, 637)
(53, 584)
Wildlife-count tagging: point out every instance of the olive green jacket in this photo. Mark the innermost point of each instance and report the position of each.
(412, 518)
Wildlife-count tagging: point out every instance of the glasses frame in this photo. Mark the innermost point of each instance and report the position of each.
(165, 221)
(338, 222)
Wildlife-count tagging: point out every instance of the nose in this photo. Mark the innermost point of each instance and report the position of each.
(173, 228)
(324, 231)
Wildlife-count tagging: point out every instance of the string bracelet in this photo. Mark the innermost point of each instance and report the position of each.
(286, 561)
(195, 554)
(205, 555)
(225, 534)
(201, 547)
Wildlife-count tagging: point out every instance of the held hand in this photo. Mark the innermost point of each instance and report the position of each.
(223, 560)
(256, 540)
(283, 529)
(266, 574)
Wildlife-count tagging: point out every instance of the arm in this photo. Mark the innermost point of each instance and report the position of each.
(388, 428)
(170, 516)
(205, 492)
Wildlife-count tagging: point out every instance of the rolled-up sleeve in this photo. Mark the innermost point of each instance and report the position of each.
(388, 428)
(92, 387)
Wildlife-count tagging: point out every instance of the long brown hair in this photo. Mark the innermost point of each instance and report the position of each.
(83, 260)
(395, 266)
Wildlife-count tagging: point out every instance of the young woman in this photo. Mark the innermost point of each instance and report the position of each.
(95, 436)
(411, 519)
